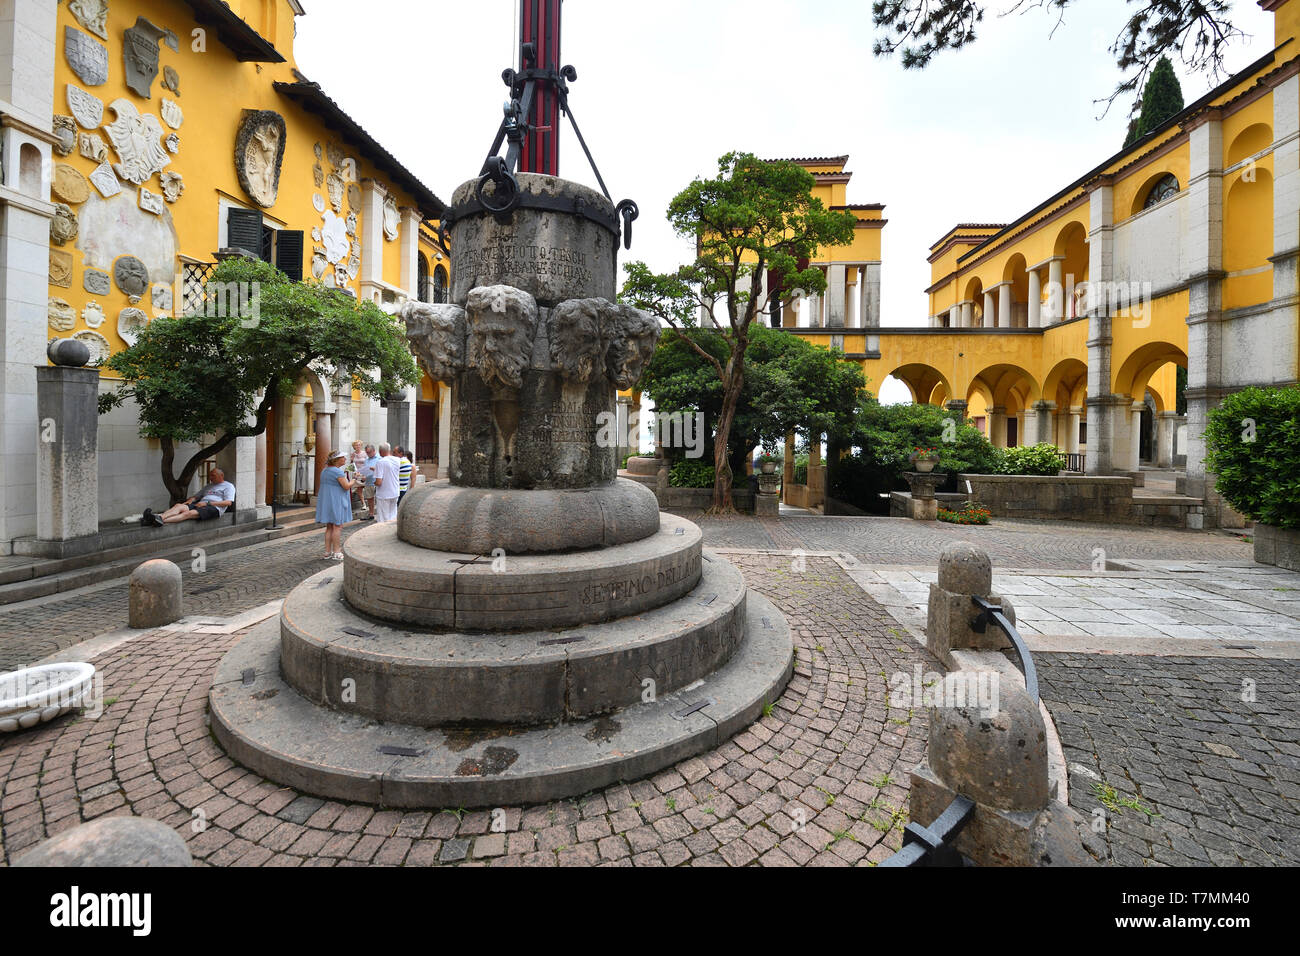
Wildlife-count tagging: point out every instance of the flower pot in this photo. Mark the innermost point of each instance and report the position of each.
(768, 467)
(926, 465)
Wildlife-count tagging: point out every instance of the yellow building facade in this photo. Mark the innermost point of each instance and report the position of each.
(162, 136)
(1069, 323)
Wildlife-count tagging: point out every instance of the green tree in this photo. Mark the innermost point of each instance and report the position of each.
(1199, 31)
(211, 379)
(1253, 448)
(753, 217)
(1161, 99)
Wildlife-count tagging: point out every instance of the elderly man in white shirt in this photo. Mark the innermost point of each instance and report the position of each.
(387, 484)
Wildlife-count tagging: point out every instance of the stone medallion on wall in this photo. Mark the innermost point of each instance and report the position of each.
(62, 316)
(87, 108)
(140, 55)
(259, 154)
(392, 220)
(173, 143)
(173, 184)
(96, 282)
(171, 80)
(60, 269)
(65, 134)
(130, 323)
(137, 139)
(98, 345)
(69, 185)
(105, 180)
(172, 113)
(87, 56)
(132, 277)
(93, 315)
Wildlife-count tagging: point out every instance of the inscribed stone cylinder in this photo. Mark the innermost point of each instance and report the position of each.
(155, 594)
(554, 253)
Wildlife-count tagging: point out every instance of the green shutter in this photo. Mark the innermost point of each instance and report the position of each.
(288, 253)
(244, 231)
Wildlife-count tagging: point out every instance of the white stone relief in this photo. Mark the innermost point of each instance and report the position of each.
(93, 147)
(65, 132)
(392, 220)
(173, 184)
(171, 113)
(318, 202)
(334, 235)
(315, 233)
(341, 275)
(162, 296)
(130, 322)
(87, 109)
(352, 224)
(97, 344)
(335, 155)
(63, 317)
(92, 15)
(93, 315)
(334, 184)
(87, 57)
(318, 263)
(151, 202)
(173, 143)
(105, 180)
(136, 138)
(63, 225)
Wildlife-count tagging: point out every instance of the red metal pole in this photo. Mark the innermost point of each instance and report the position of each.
(540, 25)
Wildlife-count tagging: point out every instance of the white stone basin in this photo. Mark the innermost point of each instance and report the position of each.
(39, 694)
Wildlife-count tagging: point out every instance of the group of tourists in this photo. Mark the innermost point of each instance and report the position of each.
(379, 476)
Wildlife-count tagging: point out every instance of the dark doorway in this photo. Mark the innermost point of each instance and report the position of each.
(426, 432)
(1013, 432)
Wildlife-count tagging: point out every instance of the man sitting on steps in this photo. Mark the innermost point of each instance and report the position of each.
(211, 501)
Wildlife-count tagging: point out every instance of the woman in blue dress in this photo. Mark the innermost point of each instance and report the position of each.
(334, 504)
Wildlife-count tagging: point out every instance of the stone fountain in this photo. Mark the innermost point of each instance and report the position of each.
(533, 627)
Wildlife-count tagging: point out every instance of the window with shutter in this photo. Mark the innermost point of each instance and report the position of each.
(244, 231)
(288, 253)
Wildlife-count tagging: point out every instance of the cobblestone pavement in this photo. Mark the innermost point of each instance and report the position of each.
(821, 780)
(232, 581)
(1193, 601)
(1010, 543)
(1193, 761)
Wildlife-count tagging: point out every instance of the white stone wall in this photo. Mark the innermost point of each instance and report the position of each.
(1149, 246)
(130, 467)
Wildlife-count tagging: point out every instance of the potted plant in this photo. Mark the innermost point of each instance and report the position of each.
(925, 459)
(768, 462)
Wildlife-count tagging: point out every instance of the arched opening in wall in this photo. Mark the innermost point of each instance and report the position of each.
(29, 170)
(1066, 387)
(1249, 142)
(1010, 392)
(440, 287)
(427, 421)
(1072, 247)
(1017, 274)
(1248, 238)
(423, 292)
(1158, 187)
(1147, 430)
(920, 380)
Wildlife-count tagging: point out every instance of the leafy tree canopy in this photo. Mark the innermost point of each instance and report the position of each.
(212, 378)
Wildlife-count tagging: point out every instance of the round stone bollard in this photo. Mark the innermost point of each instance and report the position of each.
(999, 760)
(111, 841)
(965, 569)
(155, 594)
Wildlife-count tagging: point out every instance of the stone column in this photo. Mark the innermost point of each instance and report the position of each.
(967, 313)
(372, 231)
(1038, 423)
(998, 426)
(954, 317)
(1204, 248)
(836, 277)
(957, 406)
(1073, 421)
(1108, 413)
(322, 449)
(67, 452)
(1166, 425)
(990, 310)
(852, 300)
(1056, 288)
(410, 240)
(787, 467)
(399, 420)
(260, 464)
(445, 402)
(1004, 305)
(870, 311)
(1035, 299)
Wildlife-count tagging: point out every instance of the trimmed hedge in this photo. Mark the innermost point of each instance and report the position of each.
(1253, 447)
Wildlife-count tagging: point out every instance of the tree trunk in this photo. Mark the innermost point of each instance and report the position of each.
(722, 481)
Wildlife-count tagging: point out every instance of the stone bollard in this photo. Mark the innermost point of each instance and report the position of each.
(111, 841)
(965, 571)
(155, 597)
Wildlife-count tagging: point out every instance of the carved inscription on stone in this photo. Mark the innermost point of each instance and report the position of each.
(514, 260)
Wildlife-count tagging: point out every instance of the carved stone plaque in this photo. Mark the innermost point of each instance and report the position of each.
(97, 344)
(63, 226)
(152, 202)
(171, 80)
(172, 113)
(140, 55)
(93, 315)
(136, 137)
(105, 180)
(96, 282)
(92, 15)
(131, 276)
(65, 131)
(62, 316)
(60, 268)
(173, 143)
(93, 147)
(69, 185)
(86, 107)
(259, 154)
(130, 322)
(173, 184)
(86, 55)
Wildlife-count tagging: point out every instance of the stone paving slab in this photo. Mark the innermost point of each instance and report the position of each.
(819, 780)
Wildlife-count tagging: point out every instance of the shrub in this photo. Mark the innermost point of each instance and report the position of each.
(691, 473)
(1253, 444)
(801, 469)
(1040, 459)
(970, 513)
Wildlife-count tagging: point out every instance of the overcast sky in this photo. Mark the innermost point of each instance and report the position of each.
(666, 87)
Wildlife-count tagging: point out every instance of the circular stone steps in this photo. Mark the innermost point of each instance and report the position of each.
(335, 656)
(266, 726)
(390, 579)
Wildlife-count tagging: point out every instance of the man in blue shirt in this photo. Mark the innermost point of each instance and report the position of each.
(211, 501)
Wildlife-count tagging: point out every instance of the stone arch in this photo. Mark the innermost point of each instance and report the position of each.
(922, 381)
(1064, 380)
(1016, 272)
(975, 294)
(1151, 182)
(1247, 204)
(1011, 392)
(1250, 141)
(1072, 247)
(1135, 371)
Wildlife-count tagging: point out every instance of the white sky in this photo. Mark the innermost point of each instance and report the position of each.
(665, 87)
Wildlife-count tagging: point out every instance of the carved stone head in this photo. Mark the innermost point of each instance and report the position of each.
(633, 336)
(578, 339)
(437, 336)
(502, 322)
